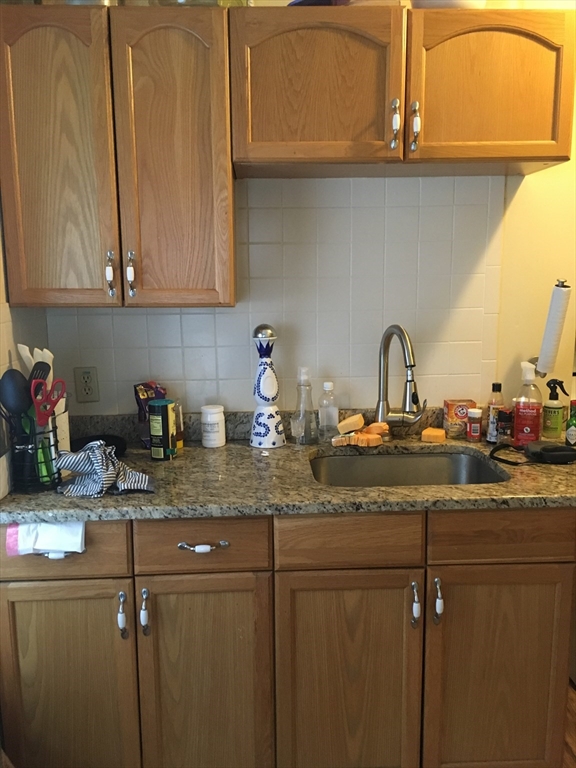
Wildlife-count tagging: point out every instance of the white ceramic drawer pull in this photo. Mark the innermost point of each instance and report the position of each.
(395, 123)
(122, 616)
(416, 125)
(144, 613)
(439, 605)
(416, 608)
(201, 549)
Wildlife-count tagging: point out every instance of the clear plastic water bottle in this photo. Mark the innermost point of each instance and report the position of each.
(303, 421)
(327, 413)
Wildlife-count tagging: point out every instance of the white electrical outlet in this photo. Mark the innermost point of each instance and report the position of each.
(86, 383)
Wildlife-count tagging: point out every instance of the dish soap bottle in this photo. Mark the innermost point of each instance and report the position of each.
(571, 423)
(494, 404)
(528, 408)
(303, 421)
(327, 413)
(553, 410)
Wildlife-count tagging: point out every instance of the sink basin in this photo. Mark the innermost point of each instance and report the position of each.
(392, 469)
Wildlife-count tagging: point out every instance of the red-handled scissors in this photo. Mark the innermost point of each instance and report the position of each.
(45, 400)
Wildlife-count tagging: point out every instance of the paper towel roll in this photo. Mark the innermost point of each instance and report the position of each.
(554, 325)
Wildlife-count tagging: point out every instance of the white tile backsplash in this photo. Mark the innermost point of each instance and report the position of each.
(329, 263)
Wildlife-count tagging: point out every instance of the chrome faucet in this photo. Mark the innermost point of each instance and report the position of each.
(411, 410)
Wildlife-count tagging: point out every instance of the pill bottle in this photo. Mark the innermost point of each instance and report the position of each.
(213, 426)
(474, 425)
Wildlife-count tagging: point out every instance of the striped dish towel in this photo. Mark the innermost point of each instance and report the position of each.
(98, 470)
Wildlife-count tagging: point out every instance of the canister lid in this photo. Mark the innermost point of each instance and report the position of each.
(474, 413)
(210, 410)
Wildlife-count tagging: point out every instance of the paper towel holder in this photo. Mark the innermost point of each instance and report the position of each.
(560, 283)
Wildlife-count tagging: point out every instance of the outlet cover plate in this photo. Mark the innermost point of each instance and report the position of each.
(86, 384)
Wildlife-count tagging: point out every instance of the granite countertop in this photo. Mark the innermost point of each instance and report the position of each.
(239, 480)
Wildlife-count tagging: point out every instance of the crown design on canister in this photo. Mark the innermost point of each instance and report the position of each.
(264, 337)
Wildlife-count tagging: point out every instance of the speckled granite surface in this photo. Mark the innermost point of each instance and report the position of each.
(239, 480)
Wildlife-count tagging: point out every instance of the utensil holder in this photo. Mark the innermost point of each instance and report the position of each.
(33, 459)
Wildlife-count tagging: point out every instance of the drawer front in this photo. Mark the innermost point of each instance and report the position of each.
(350, 541)
(156, 545)
(108, 553)
(521, 536)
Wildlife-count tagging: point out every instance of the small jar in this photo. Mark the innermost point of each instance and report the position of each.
(505, 426)
(474, 425)
(213, 426)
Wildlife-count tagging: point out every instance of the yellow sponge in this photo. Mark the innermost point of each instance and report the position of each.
(433, 435)
(351, 424)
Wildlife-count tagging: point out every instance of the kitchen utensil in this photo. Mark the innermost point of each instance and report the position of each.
(39, 372)
(26, 356)
(45, 399)
(16, 399)
(37, 355)
(15, 395)
(49, 358)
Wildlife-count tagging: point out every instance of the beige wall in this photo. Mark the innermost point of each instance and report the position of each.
(539, 246)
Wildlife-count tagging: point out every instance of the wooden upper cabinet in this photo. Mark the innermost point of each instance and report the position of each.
(496, 670)
(171, 100)
(57, 168)
(490, 84)
(316, 84)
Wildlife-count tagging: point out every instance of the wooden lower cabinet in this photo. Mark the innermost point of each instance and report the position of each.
(496, 667)
(205, 666)
(69, 692)
(348, 669)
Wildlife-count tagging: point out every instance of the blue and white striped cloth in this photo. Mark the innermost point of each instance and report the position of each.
(98, 470)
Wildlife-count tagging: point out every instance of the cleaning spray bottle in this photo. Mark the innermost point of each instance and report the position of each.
(528, 408)
(553, 411)
(571, 423)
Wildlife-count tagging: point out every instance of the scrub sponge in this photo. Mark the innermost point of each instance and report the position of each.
(433, 435)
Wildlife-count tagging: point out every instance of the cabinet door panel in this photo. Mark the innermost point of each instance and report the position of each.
(313, 83)
(206, 671)
(496, 668)
(69, 689)
(172, 122)
(348, 669)
(491, 85)
(57, 158)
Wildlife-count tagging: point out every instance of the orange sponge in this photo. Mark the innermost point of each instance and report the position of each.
(433, 435)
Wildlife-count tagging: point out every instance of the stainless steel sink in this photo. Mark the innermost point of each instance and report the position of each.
(389, 469)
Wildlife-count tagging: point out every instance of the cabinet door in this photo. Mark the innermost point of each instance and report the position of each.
(57, 156)
(173, 148)
(490, 84)
(68, 684)
(316, 83)
(496, 671)
(348, 669)
(206, 671)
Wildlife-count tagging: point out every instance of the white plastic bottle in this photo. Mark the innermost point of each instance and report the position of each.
(528, 408)
(327, 413)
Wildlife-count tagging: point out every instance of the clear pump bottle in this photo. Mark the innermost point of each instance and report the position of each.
(327, 413)
(528, 408)
(303, 420)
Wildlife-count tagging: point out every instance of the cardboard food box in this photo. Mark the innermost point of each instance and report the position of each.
(455, 415)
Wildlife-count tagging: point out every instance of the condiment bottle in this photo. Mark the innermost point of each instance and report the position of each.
(505, 426)
(474, 425)
(494, 404)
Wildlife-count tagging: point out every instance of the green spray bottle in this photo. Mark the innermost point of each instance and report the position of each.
(553, 411)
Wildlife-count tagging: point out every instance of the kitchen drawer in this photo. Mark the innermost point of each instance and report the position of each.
(156, 545)
(502, 536)
(108, 553)
(348, 541)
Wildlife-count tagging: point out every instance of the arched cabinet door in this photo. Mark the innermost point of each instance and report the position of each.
(171, 102)
(57, 169)
(489, 84)
(317, 84)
